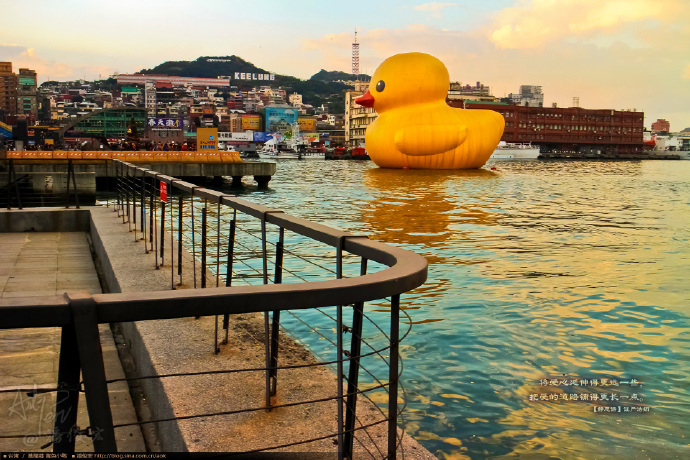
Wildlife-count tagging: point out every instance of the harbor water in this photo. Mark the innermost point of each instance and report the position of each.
(555, 319)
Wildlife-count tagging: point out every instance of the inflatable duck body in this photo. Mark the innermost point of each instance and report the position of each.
(416, 128)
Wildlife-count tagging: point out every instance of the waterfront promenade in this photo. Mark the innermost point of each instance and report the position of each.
(45, 264)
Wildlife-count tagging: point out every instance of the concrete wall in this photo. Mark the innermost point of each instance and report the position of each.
(44, 220)
(168, 433)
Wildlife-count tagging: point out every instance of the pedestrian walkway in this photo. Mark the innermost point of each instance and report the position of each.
(50, 264)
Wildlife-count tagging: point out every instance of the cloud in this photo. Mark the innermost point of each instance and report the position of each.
(434, 6)
(535, 23)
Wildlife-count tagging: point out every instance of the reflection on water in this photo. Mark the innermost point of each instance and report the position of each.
(538, 269)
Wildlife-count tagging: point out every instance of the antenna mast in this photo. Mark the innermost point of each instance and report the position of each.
(355, 57)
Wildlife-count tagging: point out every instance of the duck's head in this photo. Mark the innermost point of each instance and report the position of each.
(409, 78)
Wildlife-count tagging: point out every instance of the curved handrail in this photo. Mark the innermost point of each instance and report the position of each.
(407, 270)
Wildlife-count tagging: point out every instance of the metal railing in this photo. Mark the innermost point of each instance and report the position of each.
(348, 284)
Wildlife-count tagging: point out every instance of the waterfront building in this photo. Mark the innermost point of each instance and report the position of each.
(529, 96)
(661, 126)
(106, 123)
(8, 90)
(150, 97)
(571, 129)
(136, 79)
(478, 92)
(357, 118)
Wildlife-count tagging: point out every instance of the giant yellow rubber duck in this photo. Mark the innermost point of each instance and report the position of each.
(416, 128)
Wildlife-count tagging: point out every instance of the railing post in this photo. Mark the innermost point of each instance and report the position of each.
(267, 344)
(142, 215)
(203, 247)
(91, 358)
(172, 246)
(134, 203)
(228, 274)
(191, 203)
(275, 327)
(393, 378)
(127, 187)
(179, 237)
(68, 392)
(339, 346)
(353, 377)
(163, 232)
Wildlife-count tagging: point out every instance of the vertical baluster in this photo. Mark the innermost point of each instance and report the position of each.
(353, 378)
(127, 187)
(393, 377)
(228, 274)
(215, 336)
(172, 246)
(267, 344)
(203, 247)
(275, 328)
(154, 199)
(163, 203)
(180, 208)
(339, 346)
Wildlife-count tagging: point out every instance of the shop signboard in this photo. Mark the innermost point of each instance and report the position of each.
(165, 123)
(263, 137)
(307, 124)
(207, 139)
(252, 122)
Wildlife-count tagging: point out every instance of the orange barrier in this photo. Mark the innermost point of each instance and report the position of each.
(140, 156)
(146, 156)
(231, 157)
(187, 157)
(173, 156)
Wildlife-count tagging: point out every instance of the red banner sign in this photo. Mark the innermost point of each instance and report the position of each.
(164, 192)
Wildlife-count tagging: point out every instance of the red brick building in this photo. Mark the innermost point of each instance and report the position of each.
(571, 129)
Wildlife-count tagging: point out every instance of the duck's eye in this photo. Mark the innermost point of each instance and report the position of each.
(380, 85)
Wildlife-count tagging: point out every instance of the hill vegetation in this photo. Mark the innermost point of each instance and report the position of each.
(321, 88)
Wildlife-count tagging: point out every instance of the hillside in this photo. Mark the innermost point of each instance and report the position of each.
(325, 75)
(202, 67)
(315, 91)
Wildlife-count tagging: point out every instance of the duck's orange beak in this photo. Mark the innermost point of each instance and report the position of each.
(366, 100)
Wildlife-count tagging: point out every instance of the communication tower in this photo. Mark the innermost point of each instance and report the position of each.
(355, 57)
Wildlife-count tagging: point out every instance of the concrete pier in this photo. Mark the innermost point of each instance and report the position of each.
(49, 177)
(180, 345)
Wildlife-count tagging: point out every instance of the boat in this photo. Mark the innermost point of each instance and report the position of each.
(294, 148)
(510, 151)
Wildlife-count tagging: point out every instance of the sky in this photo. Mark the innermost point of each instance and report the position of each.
(612, 54)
